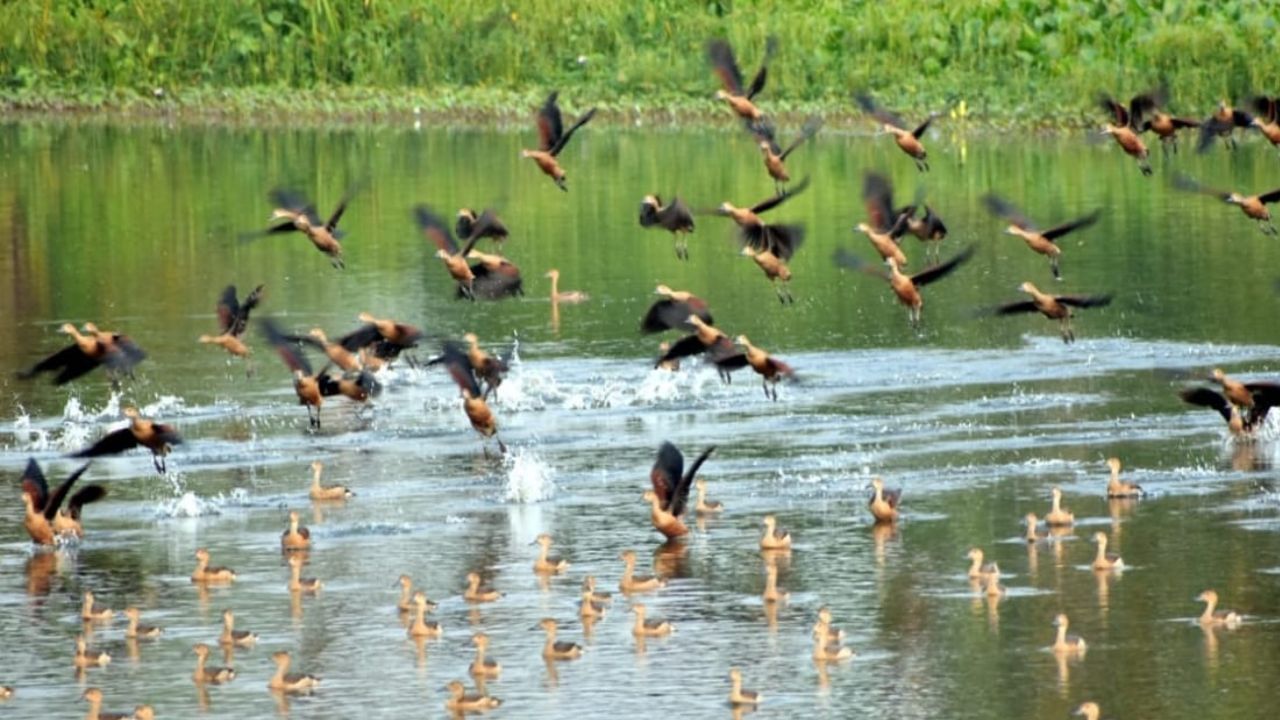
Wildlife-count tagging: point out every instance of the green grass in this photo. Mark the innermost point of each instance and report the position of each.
(1024, 60)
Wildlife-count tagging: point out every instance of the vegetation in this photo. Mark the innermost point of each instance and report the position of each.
(1028, 60)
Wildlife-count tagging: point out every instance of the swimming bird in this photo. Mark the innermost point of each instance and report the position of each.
(648, 627)
(297, 583)
(1031, 534)
(978, 570)
(908, 141)
(460, 702)
(823, 630)
(674, 217)
(632, 583)
(137, 630)
(703, 506)
(906, 287)
(769, 245)
(769, 368)
(1065, 643)
(475, 593)
(554, 649)
(568, 296)
(1267, 119)
(1088, 710)
(1253, 206)
(711, 342)
(775, 156)
(1127, 125)
(738, 696)
(141, 432)
(1105, 560)
(326, 492)
(546, 564)
(670, 494)
(774, 537)
(552, 137)
(1057, 517)
(459, 366)
(90, 611)
(485, 225)
(205, 574)
(93, 696)
(295, 537)
(1222, 123)
(86, 658)
(991, 586)
(144, 712)
(884, 501)
(1044, 242)
(1210, 616)
(231, 636)
(213, 675)
(117, 353)
(450, 253)
(740, 98)
(42, 509)
(233, 318)
(287, 682)
(1054, 307)
(1117, 488)
(299, 215)
(483, 668)
(6, 692)
(672, 310)
(420, 627)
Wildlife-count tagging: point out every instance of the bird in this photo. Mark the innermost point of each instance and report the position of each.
(86, 658)
(929, 229)
(1054, 307)
(93, 696)
(546, 564)
(231, 636)
(387, 338)
(552, 139)
(205, 674)
(460, 702)
(137, 630)
(420, 627)
(1117, 488)
(91, 611)
(1088, 711)
(1041, 241)
(297, 583)
(1210, 616)
(769, 245)
(740, 98)
(496, 278)
(458, 364)
(632, 583)
(774, 537)
(287, 682)
(977, 569)
(671, 484)
(884, 227)
(487, 368)
(483, 667)
(1166, 127)
(43, 509)
(906, 287)
(1253, 206)
(485, 225)
(336, 353)
(674, 217)
(568, 296)
(703, 506)
(1127, 126)
(1105, 560)
(769, 368)
(1267, 118)
(306, 381)
(775, 156)
(1031, 534)
(1065, 643)
(1240, 424)
(710, 341)
(206, 574)
(326, 492)
(884, 501)
(648, 627)
(141, 432)
(1057, 517)
(299, 214)
(233, 318)
(450, 253)
(554, 649)
(94, 348)
(475, 593)
(1222, 123)
(295, 537)
(672, 310)
(739, 697)
(890, 123)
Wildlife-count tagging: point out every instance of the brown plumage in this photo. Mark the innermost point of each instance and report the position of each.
(460, 702)
(674, 217)
(709, 341)
(669, 497)
(459, 367)
(206, 574)
(1041, 241)
(295, 537)
(1267, 119)
(141, 432)
(884, 501)
(116, 352)
(326, 492)
(740, 98)
(299, 215)
(495, 277)
(769, 368)
(42, 509)
(775, 156)
(1241, 421)
(287, 682)
(1253, 206)
(929, 229)
(884, 227)
(906, 287)
(554, 649)
(485, 225)
(1054, 307)
(908, 141)
(231, 636)
(213, 675)
(448, 250)
(1223, 123)
(1127, 124)
(136, 629)
(1119, 489)
(233, 318)
(769, 245)
(552, 138)
(739, 697)
(93, 696)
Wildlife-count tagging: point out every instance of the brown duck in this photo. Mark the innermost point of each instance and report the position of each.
(552, 138)
(671, 484)
(1054, 307)
(1044, 242)
(141, 432)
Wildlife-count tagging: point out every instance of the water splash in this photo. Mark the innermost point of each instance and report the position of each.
(188, 505)
(528, 477)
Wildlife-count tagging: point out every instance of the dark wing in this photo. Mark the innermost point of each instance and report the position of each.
(332, 223)
(783, 240)
(726, 66)
(70, 361)
(288, 350)
(1115, 109)
(34, 484)
(811, 127)
(1084, 301)
(934, 228)
(496, 283)
(776, 200)
(1084, 222)
(1207, 398)
(564, 139)
(667, 314)
(1184, 122)
(877, 196)
(488, 225)
(84, 496)
(1270, 197)
(1264, 106)
(757, 82)
(845, 259)
(455, 360)
(1185, 182)
(684, 347)
(668, 469)
(550, 125)
(228, 308)
(125, 356)
(435, 229)
(284, 227)
(246, 307)
(928, 275)
(1241, 119)
(1013, 308)
(1266, 395)
(869, 106)
(55, 500)
(287, 199)
(111, 444)
(891, 496)
(923, 127)
(1000, 207)
(681, 497)
(1140, 105)
(766, 133)
(362, 336)
(725, 355)
(676, 216)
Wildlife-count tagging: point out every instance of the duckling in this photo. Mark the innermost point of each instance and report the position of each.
(137, 630)
(649, 628)
(117, 352)
(43, 518)
(232, 636)
(978, 571)
(771, 592)
(1128, 123)
(774, 538)
(908, 141)
(588, 606)
(212, 675)
(557, 650)
(1043, 242)
(632, 583)
(483, 667)
(670, 493)
(141, 432)
(553, 138)
(739, 98)
(420, 626)
(297, 583)
(589, 586)
(92, 612)
(1031, 534)
(568, 296)
(459, 701)
(674, 217)
(546, 564)
(295, 537)
(326, 492)
(1054, 307)
(1057, 517)
(1117, 488)
(285, 681)
(300, 215)
(1088, 710)
(884, 501)
(1105, 560)
(476, 594)
(86, 658)
(1065, 643)
(1224, 618)
(93, 696)
(205, 574)
(738, 696)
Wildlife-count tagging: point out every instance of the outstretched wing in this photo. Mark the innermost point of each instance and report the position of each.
(877, 196)
(1207, 398)
(1084, 301)
(923, 127)
(228, 309)
(1002, 208)
(112, 443)
(55, 500)
(435, 229)
(1084, 222)
(549, 122)
(564, 139)
(289, 351)
(928, 275)
(776, 200)
(34, 484)
(811, 127)
(726, 66)
(681, 496)
(666, 474)
(845, 259)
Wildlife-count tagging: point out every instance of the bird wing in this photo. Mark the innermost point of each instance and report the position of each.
(1000, 207)
(496, 283)
(811, 127)
(70, 360)
(933, 225)
(1270, 197)
(870, 107)
(288, 199)
(125, 356)
(111, 443)
(34, 484)
(757, 82)
(877, 197)
(845, 259)
(928, 275)
(783, 240)
(1207, 398)
(362, 336)
(55, 500)
(1116, 110)
(676, 215)
(923, 127)
(725, 66)
(332, 223)
(289, 351)
(666, 474)
(1140, 105)
(246, 307)
(776, 200)
(488, 225)
(550, 124)
(455, 360)
(564, 139)
(684, 347)
(228, 308)
(435, 229)
(1189, 184)
(681, 496)
(84, 496)
(1013, 308)
(1054, 233)
(1084, 301)
(1241, 119)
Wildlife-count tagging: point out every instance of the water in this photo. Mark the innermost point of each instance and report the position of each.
(136, 227)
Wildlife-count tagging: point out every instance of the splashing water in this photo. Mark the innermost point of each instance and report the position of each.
(528, 477)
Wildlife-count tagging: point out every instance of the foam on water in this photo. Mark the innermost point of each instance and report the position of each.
(528, 477)
(186, 504)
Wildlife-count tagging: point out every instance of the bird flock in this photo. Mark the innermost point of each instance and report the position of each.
(352, 363)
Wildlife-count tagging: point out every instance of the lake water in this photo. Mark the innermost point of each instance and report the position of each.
(136, 228)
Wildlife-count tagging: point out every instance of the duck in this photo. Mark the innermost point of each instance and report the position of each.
(326, 492)
(769, 368)
(450, 253)
(545, 564)
(929, 229)
(830, 651)
(41, 508)
(906, 287)
(674, 217)
(474, 406)
(884, 501)
(66, 521)
(487, 368)
(771, 592)
(1241, 425)
(1267, 119)
(1210, 616)
(672, 309)
(1054, 307)
(557, 650)
(205, 574)
(552, 138)
(774, 538)
(6, 692)
(93, 696)
(420, 627)
(136, 630)
(87, 351)
(774, 156)
(144, 712)
(1105, 560)
(385, 337)
(1117, 488)
(1041, 241)
(233, 319)
(977, 570)
(740, 98)
(287, 682)
(908, 141)
(670, 494)
(883, 228)
(647, 627)
(299, 215)
(588, 606)
(459, 701)
(1031, 534)
(297, 583)
(589, 586)
(295, 537)
(1254, 207)
(86, 658)
(485, 225)
(205, 674)
(231, 636)
(1165, 125)
(1065, 643)
(477, 594)
(824, 630)
(769, 245)
(141, 432)
(1222, 123)
(405, 604)
(483, 667)
(496, 278)
(92, 612)
(709, 341)
(991, 586)
(739, 697)
(1088, 710)
(1057, 517)
(568, 296)
(703, 506)
(307, 383)
(632, 583)
(1127, 126)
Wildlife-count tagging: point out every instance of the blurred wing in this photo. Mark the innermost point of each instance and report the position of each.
(877, 196)
(228, 308)
(1207, 398)
(725, 66)
(55, 500)
(776, 200)
(111, 444)
(549, 122)
(999, 207)
(922, 128)
(1084, 301)
(564, 140)
(667, 470)
(928, 275)
(1013, 308)
(680, 497)
(289, 351)
(435, 229)
(845, 259)
(34, 484)
(1084, 222)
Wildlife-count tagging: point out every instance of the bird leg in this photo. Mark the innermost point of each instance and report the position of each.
(560, 184)
(158, 461)
(1053, 267)
(337, 263)
(1145, 167)
(922, 165)
(1064, 326)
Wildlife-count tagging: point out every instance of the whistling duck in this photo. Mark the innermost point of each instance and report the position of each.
(674, 217)
(380, 340)
(1166, 127)
(670, 494)
(647, 627)
(205, 574)
(41, 508)
(632, 583)
(1268, 118)
(154, 436)
(86, 658)
(453, 256)
(335, 352)
(93, 612)
(1227, 618)
(771, 592)
(908, 141)
(210, 674)
(136, 630)
(306, 382)
(709, 341)
(738, 696)
(588, 606)
(704, 506)
(117, 352)
(1031, 534)
(1054, 307)
(420, 627)
(231, 636)
(326, 492)
(144, 712)
(487, 368)
(557, 650)
(1057, 517)
(769, 245)
(295, 537)
(774, 538)
(6, 692)
(929, 229)
(568, 296)
(297, 583)
(1128, 122)
(977, 570)
(1117, 488)
(1105, 560)
(1222, 123)
(905, 287)
(824, 630)
(93, 696)
(1065, 643)
(1041, 241)
(1239, 424)
(884, 501)
(495, 277)
(1253, 206)
(739, 98)
(285, 681)
(474, 406)
(830, 651)
(774, 155)
(1089, 711)
(991, 584)
(486, 225)
(405, 603)
(460, 702)
(769, 368)
(300, 215)
(483, 667)
(233, 318)
(883, 228)
(589, 586)
(546, 564)
(552, 137)
(476, 594)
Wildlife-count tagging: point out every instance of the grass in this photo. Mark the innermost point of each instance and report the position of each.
(1029, 61)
